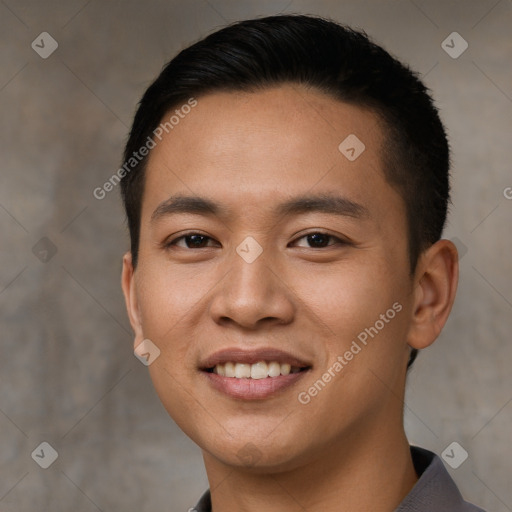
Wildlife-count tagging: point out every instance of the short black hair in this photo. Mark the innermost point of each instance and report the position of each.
(345, 64)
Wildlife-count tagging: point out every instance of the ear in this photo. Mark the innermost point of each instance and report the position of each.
(436, 281)
(130, 297)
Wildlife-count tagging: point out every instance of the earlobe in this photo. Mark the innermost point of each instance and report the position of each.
(130, 297)
(436, 284)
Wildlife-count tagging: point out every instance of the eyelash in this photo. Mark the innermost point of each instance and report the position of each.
(173, 243)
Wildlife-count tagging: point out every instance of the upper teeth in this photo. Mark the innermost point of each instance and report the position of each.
(259, 370)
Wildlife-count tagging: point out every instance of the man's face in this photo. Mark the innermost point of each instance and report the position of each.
(328, 273)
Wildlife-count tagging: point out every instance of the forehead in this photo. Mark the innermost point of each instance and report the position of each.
(262, 146)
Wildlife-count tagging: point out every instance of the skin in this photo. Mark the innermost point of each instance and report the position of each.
(346, 449)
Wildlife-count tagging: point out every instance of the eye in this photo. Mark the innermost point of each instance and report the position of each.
(318, 240)
(191, 241)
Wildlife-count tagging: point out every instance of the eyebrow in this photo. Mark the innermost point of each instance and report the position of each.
(188, 204)
(322, 203)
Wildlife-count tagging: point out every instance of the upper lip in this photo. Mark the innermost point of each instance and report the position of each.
(239, 355)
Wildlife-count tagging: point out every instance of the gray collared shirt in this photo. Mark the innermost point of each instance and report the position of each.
(435, 491)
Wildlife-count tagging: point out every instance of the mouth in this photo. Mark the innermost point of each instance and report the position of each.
(256, 371)
(253, 375)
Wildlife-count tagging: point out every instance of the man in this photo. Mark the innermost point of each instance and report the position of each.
(286, 190)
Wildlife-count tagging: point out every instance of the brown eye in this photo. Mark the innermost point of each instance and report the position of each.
(318, 240)
(191, 241)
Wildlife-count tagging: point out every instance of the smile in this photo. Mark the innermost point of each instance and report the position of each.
(259, 370)
(253, 374)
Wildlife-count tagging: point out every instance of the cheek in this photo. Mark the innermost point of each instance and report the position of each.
(347, 299)
(167, 300)
(168, 297)
(364, 307)
(365, 311)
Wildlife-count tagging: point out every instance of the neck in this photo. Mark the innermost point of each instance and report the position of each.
(366, 471)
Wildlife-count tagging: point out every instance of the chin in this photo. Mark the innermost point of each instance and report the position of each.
(258, 455)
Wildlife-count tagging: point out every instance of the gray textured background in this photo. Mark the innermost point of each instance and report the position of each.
(67, 372)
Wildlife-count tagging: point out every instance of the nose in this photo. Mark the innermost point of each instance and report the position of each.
(252, 295)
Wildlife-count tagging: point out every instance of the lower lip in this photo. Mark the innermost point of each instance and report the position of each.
(253, 389)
